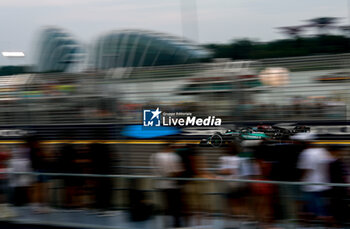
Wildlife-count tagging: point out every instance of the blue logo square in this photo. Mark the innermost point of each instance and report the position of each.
(151, 117)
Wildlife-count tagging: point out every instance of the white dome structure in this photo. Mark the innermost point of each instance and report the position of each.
(136, 48)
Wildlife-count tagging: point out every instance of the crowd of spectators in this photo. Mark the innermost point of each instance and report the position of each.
(187, 200)
(27, 185)
(259, 200)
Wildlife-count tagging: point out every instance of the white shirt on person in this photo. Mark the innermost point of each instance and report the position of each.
(315, 162)
(239, 167)
(165, 165)
(231, 164)
(20, 165)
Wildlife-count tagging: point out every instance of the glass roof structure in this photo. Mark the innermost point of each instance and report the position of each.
(137, 48)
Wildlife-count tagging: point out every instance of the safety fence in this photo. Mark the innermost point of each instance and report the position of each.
(215, 201)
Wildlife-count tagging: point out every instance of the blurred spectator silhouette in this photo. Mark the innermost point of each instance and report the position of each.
(20, 183)
(103, 186)
(66, 165)
(193, 199)
(167, 164)
(339, 205)
(5, 208)
(263, 193)
(231, 167)
(314, 164)
(40, 164)
(84, 185)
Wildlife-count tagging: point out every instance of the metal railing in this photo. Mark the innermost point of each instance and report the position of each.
(212, 191)
(153, 177)
(308, 63)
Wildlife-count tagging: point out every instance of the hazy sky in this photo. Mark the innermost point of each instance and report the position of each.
(218, 20)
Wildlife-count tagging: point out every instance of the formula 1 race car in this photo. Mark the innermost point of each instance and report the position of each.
(259, 132)
(301, 129)
(290, 129)
(218, 139)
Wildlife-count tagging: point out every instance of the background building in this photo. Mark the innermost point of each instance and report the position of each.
(135, 48)
(57, 51)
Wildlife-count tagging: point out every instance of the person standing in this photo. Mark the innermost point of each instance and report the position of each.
(20, 183)
(167, 164)
(314, 164)
(230, 168)
(40, 164)
(195, 203)
(5, 210)
(103, 186)
(338, 195)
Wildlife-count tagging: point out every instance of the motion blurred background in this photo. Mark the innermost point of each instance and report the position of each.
(74, 77)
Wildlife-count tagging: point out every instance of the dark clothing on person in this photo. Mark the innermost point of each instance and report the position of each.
(20, 196)
(139, 210)
(337, 172)
(339, 205)
(101, 164)
(172, 199)
(187, 155)
(284, 158)
(66, 164)
(37, 161)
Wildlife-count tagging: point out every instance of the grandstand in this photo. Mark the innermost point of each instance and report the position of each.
(228, 88)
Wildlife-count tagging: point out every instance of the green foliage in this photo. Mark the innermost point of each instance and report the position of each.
(13, 70)
(248, 49)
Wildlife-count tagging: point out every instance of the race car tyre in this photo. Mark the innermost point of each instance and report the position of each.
(216, 140)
